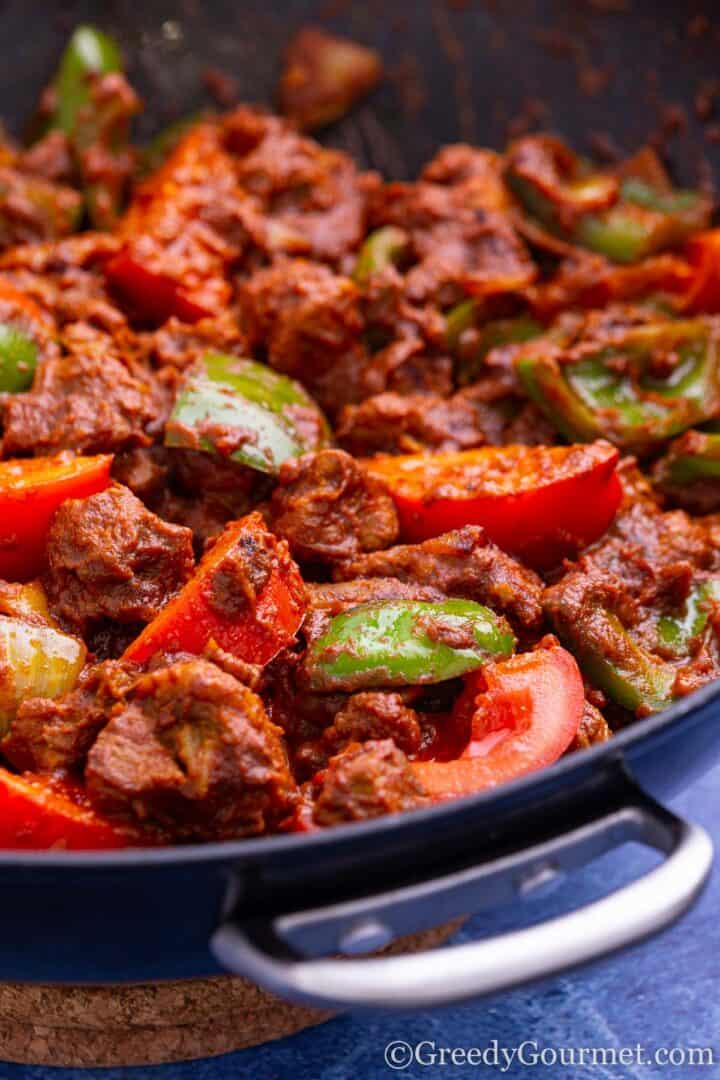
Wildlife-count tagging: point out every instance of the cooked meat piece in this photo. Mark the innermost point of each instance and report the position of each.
(407, 424)
(205, 518)
(301, 714)
(110, 557)
(313, 196)
(643, 545)
(50, 736)
(365, 716)
(405, 366)
(367, 781)
(593, 729)
(459, 563)
(33, 209)
(375, 715)
(144, 470)
(324, 76)
(65, 278)
(207, 475)
(476, 174)
(179, 345)
(328, 508)
(458, 248)
(528, 427)
(50, 157)
(308, 320)
(93, 399)
(193, 752)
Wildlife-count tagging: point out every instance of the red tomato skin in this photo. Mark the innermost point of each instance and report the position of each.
(189, 621)
(541, 525)
(28, 501)
(41, 814)
(525, 713)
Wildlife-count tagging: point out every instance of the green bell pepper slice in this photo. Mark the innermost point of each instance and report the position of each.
(18, 359)
(612, 392)
(693, 457)
(641, 221)
(405, 643)
(629, 674)
(88, 52)
(609, 656)
(638, 678)
(492, 335)
(243, 410)
(381, 249)
(675, 632)
(90, 118)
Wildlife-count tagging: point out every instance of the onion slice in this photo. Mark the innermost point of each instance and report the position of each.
(35, 661)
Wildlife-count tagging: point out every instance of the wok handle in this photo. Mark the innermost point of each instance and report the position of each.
(259, 950)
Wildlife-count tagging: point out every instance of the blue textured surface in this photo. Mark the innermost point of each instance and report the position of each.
(663, 993)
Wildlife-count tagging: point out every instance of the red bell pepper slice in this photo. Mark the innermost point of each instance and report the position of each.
(703, 254)
(543, 503)
(153, 295)
(254, 634)
(31, 489)
(40, 813)
(173, 262)
(524, 711)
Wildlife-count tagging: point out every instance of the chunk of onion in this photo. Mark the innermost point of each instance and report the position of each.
(35, 661)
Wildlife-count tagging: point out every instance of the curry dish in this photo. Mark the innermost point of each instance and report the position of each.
(325, 496)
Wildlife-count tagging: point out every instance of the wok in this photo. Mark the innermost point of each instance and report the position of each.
(275, 908)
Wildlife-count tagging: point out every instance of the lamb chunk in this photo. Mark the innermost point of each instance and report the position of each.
(365, 782)
(375, 715)
(50, 157)
(593, 729)
(144, 470)
(111, 558)
(92, 399)
(54, 736)
(459, 563)
(179, 345)
(324, 76)
(366, 716)
(328, 508)
(307, 191)
(308, 320)
(193, 752)
(477, 173)
(406, 424)
(33, 209)
(458, 248)
(65, 278)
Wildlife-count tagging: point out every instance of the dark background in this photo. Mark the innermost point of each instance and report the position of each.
(475, 70)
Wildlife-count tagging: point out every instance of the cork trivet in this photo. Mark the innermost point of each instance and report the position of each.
(152, 1023)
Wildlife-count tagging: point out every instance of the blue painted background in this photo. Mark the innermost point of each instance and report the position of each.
(663, 993)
